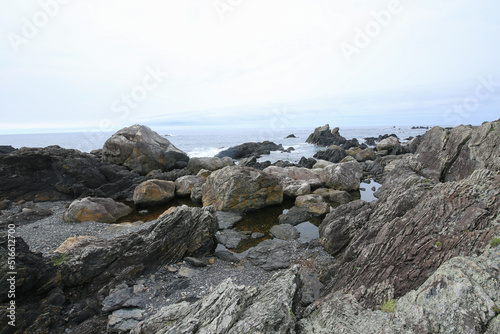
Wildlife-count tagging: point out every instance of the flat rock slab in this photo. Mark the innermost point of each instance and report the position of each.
(271, 254)
(230, 238)
(284, 232)
(227, 220)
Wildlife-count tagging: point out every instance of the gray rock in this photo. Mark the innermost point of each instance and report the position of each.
(271, 254)
(227, 220)
(257, 235)
(295, 216)
(314, 204)
(333, 154)
(188, 272)
(284, 232)
(195, 262)
(103, 210)
(208, 163)
(344, 176)
(230, 238)
(227, 256)
(142, 150)
(117, 298)
(334, 196)
(241, 188)
(234, 309)
(122, 321)
(185, 184)
(299, 174)
(365, 155)
(389, 144)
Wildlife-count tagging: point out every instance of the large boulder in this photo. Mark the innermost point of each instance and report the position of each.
(208, 163)
(142, 150)
(314, 204)
(55, 173)
(462, 296)
(231, 308)
(102, 210)
(390, 144)
(247, 150)
(322, 136)
(333, 154)
(185, 184)
(301, 174)
(236, 188)
(154, 192)
(343, 176)
(334, 196)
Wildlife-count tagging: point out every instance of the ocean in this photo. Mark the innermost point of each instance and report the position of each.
(207, 142)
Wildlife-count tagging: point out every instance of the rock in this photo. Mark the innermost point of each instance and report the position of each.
(412, 145)
(188, 272)
(366, 154)
(5, 204)
(320, 164)
(122, 321)
(252, 162)
(333, 154)
(234, 309)
(195, 262)
(28, 215)
(313, 204)
(290, 136)
(6, 149)
(351, 143)
(117, 298)
(230, 238)
(154, 192)
(284, 232)
(171, 175)
(227, 220)
(306, 162)
(458, 298)
(295, 216)
(195, 165)
(322, 136)
(334, 196)
(271, 254)
(389, 144)
(343, 176)
(70, 243)
(227, 256)
(293, 188)
(185, 184)
(408, 233)
(241, 188)
(257, 235)
(54, 173)
(102, 210)
(297, 174)
(142, 150)
(247, 150)
(204, 173)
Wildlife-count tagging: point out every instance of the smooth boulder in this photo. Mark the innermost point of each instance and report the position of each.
(237, 188)
(154, 192)
(102, 210)
(142, 150)
(208, 163)
(343, 176)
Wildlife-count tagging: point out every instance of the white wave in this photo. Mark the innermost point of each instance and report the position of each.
(205, 152)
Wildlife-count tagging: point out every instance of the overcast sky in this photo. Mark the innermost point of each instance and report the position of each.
(101, 65)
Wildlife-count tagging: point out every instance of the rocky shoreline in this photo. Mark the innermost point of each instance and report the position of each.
(422, 258)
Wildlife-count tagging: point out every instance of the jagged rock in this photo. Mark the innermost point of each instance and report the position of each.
(350, 143)
(322, 136)
(401, 240)
(247, 150)
(6, 149)
(227, 220)
(252, 162)
(295, 216)
(230, 238)
(334, 196)
(154, 192)
(103, 210)
(290, 136)
(70, 243)
(234, 309)
(142, 150)
(208, 163)
(271, 254)
(118, 298)
(122, 321)
(195, 262)
(333, 154)
(204, 173)
(227, 256)
(284, 232)
(458, 298)
(27, 215)
(320, 164)
(185, 184)
(313, 204)
(241, 188)
(170, 175)
(343, 176)
(54, 173)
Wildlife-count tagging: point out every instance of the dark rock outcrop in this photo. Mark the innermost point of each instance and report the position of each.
(251, 149)
(271, 254)
(54, 173)
(333, 154)
(306, 162)
(142, 150)
(322, 136)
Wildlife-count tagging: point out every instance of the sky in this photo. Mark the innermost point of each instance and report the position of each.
(69, 65)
